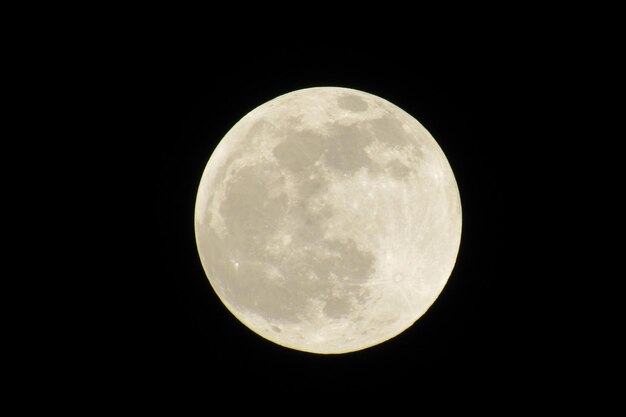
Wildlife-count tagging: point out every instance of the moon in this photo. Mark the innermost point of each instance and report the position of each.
(328, 220)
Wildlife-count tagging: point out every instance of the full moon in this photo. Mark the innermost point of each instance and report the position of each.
(328, 220)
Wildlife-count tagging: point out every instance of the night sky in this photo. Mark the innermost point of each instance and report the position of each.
(165, 326)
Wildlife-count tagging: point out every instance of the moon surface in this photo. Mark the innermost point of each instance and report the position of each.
(328, 220)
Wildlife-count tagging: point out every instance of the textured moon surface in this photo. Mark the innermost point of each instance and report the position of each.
(328, 220)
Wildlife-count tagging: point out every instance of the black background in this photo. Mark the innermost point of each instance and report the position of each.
(117, 111)
(172, 100)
